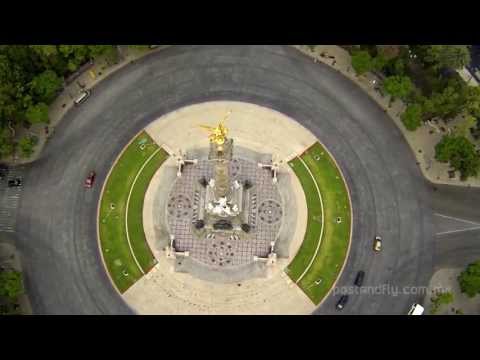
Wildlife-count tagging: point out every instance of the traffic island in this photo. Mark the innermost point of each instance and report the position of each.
(124, 249)
(321, 258)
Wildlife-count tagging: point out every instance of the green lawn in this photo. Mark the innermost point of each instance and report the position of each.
(113, 239)
(336, 237)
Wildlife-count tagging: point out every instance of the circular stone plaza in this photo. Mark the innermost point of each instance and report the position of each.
(220, 223)
(229, 180)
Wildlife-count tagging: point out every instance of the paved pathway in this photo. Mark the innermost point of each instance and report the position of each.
(261, 129)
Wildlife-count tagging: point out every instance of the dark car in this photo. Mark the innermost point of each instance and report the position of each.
(90, 179)
(359, 278)
(3, 171)
(342, 302)
(15, 182)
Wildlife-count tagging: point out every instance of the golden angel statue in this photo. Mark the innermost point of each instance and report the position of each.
(218, 134)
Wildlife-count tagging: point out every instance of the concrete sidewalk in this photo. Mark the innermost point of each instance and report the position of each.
(64, 101)
(422, 141)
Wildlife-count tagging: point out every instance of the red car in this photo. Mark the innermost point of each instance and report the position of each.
(90, 179)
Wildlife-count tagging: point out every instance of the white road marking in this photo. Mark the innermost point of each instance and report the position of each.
(128, 202)
(456, 231)
(454, 218)
(323, 219)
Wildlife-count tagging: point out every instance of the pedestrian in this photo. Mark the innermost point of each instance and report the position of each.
(334, 62)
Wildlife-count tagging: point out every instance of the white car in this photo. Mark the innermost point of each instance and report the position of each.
(416, 309)
(82, 97)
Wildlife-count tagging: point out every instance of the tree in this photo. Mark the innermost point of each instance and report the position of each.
(472, 99)
(463, 128)
(46, 85)
(446, 104)
(469, 279)
(37, 113)
(460, 153)
(6, 143)
(443, 298)
(447, 56)
(74, 55)
(27, 145)
(11, 285)
(412, 117)
(398, 86)
(379, 62)
(362, 62)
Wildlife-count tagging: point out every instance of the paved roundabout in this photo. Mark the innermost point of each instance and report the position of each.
(56, 226)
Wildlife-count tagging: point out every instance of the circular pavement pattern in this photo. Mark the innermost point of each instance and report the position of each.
(56, 225)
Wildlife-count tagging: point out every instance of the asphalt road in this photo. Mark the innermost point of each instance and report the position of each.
(56, 224)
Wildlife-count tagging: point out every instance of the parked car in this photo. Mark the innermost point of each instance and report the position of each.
(84, 95)
(416, 309)
(342, 302)
(90, 179)
(377, 244)
(3, 171)
(359, 278)
(15, 182)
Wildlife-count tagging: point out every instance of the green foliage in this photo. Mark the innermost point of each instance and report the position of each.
(110, 52)
(37, 113)
(27, 145)
(362, 62)
(469, 279)
(463, 128)
(379, 62)
(443, 298)
(472, 99)
(460, 153)
(445, 105)
(412, 117)
(147, 47)
(6, 143)
(11, 284)
(447, 56)
(398, 86)
(45, 86)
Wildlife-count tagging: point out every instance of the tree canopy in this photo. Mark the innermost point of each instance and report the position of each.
(362, 62)
(460, 153)
(398, 86)
(45, 86)
(30, 78)
(469, 279)
(412, 117)
(11, 284)
(37, 113)
(447, 56)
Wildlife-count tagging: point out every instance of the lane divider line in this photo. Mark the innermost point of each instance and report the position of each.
(321, 229)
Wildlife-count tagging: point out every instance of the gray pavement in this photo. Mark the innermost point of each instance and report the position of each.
(56, 224)
(458, 244)
(9, 199)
